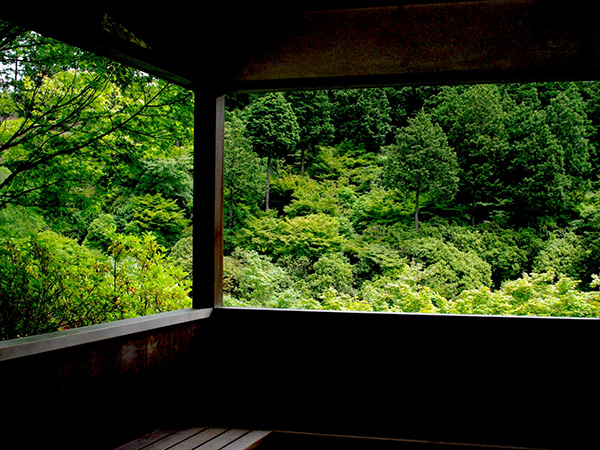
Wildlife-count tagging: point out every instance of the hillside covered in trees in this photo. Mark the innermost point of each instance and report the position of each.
(478, 199)
(475, 199)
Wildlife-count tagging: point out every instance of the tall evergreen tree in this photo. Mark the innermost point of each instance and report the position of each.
(242, 171)
(313, 112)
(475, 123)
(570, 125)
(362, 116)
(422, 161)
(537, 182)
(273, 129)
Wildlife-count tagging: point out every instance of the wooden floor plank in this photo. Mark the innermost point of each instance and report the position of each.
(247, 441)
(222, 440)
(174, 439)
(199, 439)
(146, 440)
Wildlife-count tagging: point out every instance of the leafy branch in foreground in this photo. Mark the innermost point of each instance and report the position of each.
(68, 117)
(68, 121)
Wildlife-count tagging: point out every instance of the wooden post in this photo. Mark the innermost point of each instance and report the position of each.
(208, 200)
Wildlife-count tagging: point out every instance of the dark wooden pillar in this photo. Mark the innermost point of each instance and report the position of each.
(208, 200)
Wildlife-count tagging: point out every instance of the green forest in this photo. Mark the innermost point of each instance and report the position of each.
(464, 199)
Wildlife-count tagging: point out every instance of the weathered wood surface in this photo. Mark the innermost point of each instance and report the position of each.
(426, 42)
(201, 438)
(208, 192)
(60, 340)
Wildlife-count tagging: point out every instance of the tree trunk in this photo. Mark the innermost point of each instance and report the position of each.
(417, 210)
(268, 182)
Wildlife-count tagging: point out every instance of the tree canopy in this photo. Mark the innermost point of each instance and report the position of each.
(272, 128)
(422, 162)
(447, 199)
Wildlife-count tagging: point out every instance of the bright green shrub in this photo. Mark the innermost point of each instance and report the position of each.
(447, 270)
(402, 292)
(332, 271)
(310, 235)
(142, 279)
(562, 253)
(251, 276)
(346, 161)
(508, 252)
(171, 177)
(536, 294)
(379, 206)
(100, 231)
(372, 258)
(19, 221)
(160, 216)
(549, 294)
(312, 197)
(332, 300)
(48, 282)
(480, 301)
(304, 236)
(254, 280)
(183, 256)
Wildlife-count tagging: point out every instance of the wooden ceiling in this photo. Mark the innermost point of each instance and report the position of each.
(224, 47)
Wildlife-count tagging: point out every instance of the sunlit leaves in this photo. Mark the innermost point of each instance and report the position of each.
(49, 282)
(536, 294)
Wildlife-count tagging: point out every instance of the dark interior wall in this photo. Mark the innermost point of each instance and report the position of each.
(489, 380)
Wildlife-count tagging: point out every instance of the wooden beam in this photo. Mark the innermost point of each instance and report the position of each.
(339, 44)
(497, 40)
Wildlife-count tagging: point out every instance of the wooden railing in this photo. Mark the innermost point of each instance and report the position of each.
(98, 386)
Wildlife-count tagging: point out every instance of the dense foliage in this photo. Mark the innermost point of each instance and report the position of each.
(452, 199)
(95, 188)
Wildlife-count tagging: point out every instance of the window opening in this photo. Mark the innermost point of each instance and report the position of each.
(469, 199)
(95, 188)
